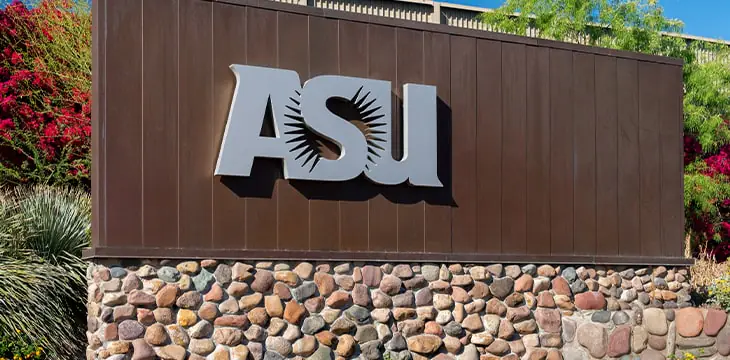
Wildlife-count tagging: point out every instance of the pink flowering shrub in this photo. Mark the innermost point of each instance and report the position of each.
(707, 157)
(692, 149)
(707, 202)
(719, 163)
(45, 80)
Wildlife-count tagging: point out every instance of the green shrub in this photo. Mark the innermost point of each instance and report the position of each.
(17, 346)
(684, 356)
(42, 275)
(719, 292)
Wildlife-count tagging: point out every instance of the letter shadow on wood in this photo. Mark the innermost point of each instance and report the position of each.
(266, 172)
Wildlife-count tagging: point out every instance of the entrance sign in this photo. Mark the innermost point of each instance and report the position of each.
(353, 115)
(546, 152)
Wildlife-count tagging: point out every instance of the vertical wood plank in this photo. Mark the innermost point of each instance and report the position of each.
(98, 122)
(514, 104)
(197, 142)
(383, 214)
(293, 54)
(262, 215)
(561, 155)
(628, 157)
(353, 57)
(159, 122)
(489, 146)
(124, 119)
(437, 68)
(607, 210)
(463, 107)
(323, 52)
(670, 127)
(229, 47)
(409, 70)
(538, 150)
(649, 159)
(567, 152)
(584, 139)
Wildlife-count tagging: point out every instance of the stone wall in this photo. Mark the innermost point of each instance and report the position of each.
(275, 310)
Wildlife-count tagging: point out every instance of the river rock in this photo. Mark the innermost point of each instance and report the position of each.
(479, 290)
(498, 347)
(366, 333)
(601, 316)
(689, 322)
(594, 338)
(370, 350)
(424, 344)
(372, 275)
(496, 307)
(655, 321)
(639, 339)
(358, 314)
(714, 321)
(590, 301)
(130, 330)
(345, 346)
(325, 283)
(619, 342)
(569, 328)
(397, 342)
(361, 295)
(621, 317)
(561, 287)
(703, 341)
(548, 319)
(323, 352)
(227, 336)
(294, 312)
(502, 287)
(723, 342)
(279, 345)
(313, 324)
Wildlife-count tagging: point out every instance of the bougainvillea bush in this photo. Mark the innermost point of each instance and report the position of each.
(707, 156)
(45, 80)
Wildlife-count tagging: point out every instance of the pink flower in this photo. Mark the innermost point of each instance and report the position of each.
(725, 228)
(6, 124)
(16, 58)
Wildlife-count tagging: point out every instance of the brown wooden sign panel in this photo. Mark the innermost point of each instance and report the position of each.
(548, 151)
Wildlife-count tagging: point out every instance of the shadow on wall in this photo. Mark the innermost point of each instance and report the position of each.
(266, 172)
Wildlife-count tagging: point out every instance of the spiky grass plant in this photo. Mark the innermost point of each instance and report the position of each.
(42, 276)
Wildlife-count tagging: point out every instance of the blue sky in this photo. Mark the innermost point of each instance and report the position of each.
(707, 18)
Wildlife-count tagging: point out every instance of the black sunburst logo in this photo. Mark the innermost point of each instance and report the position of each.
(358, 110)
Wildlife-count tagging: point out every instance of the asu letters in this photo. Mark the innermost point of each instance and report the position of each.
(301, 114)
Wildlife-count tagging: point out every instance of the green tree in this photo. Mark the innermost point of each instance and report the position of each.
(640, 26)
(633, 25)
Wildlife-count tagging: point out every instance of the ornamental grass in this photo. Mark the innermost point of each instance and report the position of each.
(42, 275)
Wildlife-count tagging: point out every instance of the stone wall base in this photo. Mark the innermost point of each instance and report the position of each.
(275, 310)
